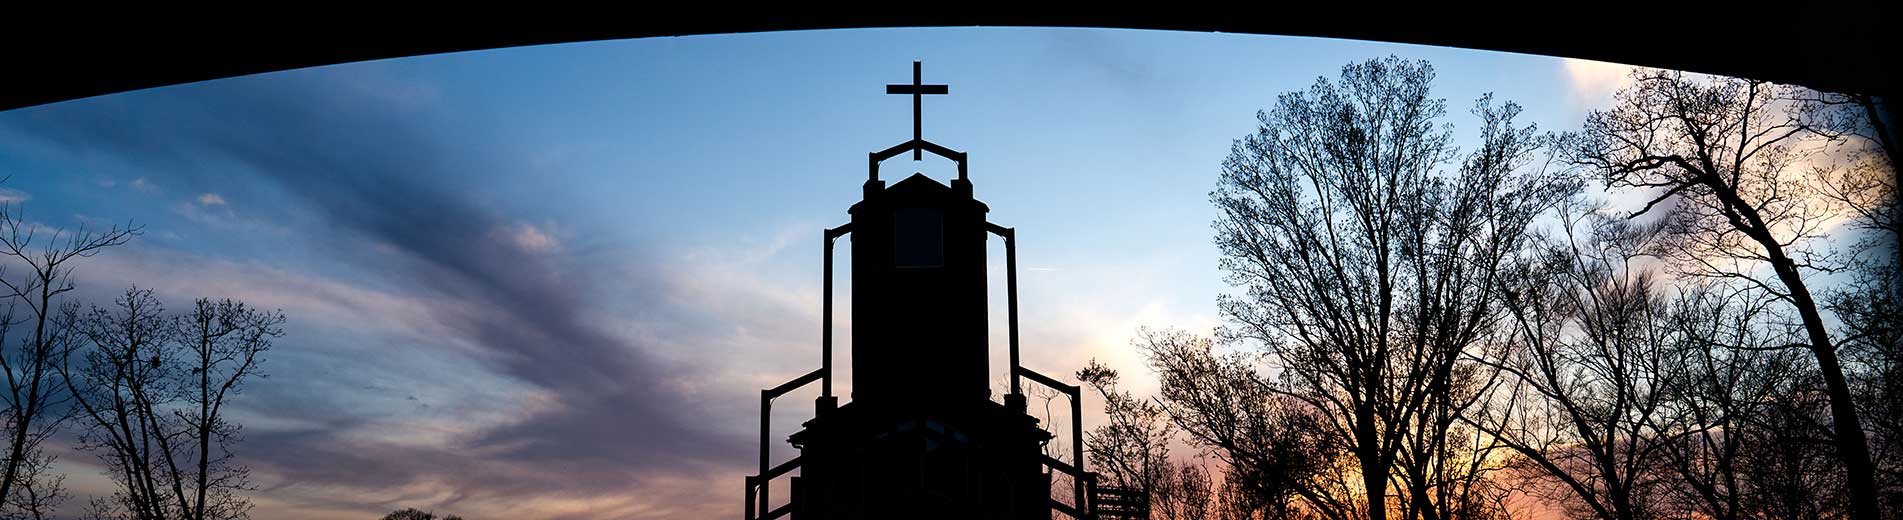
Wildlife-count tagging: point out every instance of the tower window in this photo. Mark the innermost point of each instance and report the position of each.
(919, 239)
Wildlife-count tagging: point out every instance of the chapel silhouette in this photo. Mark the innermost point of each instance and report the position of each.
(921, 437)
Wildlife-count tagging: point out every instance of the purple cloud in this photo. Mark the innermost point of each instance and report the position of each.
(373, 180)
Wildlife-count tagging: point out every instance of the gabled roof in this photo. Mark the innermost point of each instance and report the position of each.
(918, 189)
(919, 184)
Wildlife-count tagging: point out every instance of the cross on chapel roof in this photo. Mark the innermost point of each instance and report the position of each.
(918, 90)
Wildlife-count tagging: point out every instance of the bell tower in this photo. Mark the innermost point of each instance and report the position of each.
(921, 437)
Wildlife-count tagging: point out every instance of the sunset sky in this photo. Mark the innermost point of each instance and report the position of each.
(549, 282)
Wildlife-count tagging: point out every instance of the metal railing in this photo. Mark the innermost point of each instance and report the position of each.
(1084, 481)
(1119, 503)
(757, 485)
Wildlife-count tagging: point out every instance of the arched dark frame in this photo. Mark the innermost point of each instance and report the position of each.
(51, 58)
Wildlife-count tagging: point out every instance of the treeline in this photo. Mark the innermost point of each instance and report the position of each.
(142, 388)
(411, 513)
(1685, 309)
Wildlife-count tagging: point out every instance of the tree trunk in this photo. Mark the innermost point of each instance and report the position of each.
(1374, 467)
(23, 416)
(1852, 445)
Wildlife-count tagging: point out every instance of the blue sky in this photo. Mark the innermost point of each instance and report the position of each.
(547, 282)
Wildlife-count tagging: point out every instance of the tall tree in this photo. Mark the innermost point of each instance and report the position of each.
(124, 371)
(1737, 399)
(1184, 492)
(1863, 177)
(1734, 155)
(1269, 446)
(152, 390)
(1589, 321)
(1369, 265)
(1133, 448)
(36, 271)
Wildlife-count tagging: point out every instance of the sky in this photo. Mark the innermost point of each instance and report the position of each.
(548, 282)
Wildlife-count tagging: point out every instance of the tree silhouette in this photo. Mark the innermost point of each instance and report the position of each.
(1268, 443)
(411, 513)
(151, 391)
(1737, 401)
(1864, 179)
(1370, 268)
(1132, 448)
(1733, 155)
(1588, 322)
(36, 268)
(1184, 492)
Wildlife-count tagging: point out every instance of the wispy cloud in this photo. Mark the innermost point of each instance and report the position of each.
(528, 238)
(13, 196)
(1594, 82)
(605, 424)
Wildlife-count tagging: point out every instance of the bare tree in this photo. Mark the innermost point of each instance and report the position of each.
(40, 491)
(1733, 155)
(1863, 173)
(151, 390)
(1132, 448)
(411, 513)
(36, 268)
(1185, 492)
(1870, 308)
(123, 387)
(1786, 465)
(1234, 502)
(1369, 268)
(1863, 178)
(1267, 444)
(1736, 396)
(1628, 402)
(1589, 324)
(1234, 499)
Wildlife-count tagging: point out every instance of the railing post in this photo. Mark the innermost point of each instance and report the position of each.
(1015, 399)
(1077, 448)
(766, 418)
(1079, 476)
(826, 336)
(751, 512)
(1011, 299)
